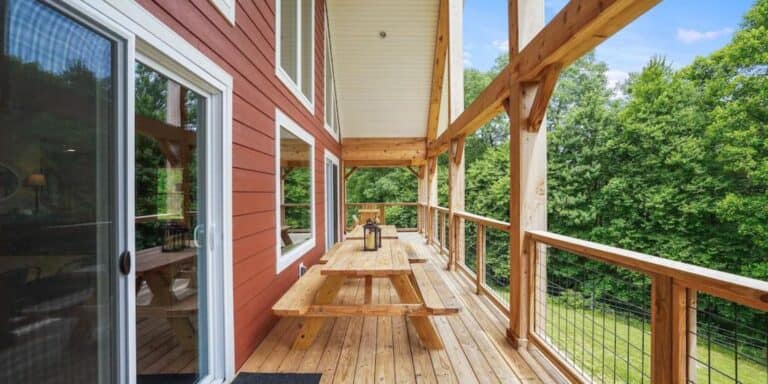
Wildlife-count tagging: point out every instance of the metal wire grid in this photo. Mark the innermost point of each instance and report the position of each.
(470, 245)
(728, 344)
(497, 263)
(604, 334)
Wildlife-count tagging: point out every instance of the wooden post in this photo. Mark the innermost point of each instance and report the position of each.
(431, 185)
(456, 203)
(527, 172)
(669, 326)
(456, 149)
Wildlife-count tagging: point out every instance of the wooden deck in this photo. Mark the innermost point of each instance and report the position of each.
(158, 350)
(387, 349)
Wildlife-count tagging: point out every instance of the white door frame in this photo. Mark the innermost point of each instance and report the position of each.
(335, 160)
(147, 38)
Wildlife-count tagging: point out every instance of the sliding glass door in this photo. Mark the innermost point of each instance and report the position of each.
(59, 243)
(170, 198)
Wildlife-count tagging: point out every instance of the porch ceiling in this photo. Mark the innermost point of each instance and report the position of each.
(383, 84)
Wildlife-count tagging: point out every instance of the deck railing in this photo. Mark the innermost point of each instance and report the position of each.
(605, 314)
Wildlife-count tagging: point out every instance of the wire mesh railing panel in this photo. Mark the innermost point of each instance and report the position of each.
(446, 231)
(596, 316)
(727, 342)
(470, 246)
(497, 263)
(402, 216)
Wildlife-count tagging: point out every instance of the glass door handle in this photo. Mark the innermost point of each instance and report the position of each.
(125, 262)
(197, 234)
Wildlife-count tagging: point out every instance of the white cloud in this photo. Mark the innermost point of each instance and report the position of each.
(615, 77)
(690, 36)
(467, 59)
(501, 45)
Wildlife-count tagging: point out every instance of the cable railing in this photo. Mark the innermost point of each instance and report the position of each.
(602, 314)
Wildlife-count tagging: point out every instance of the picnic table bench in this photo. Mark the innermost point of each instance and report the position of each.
(312, 296)
(160, 269)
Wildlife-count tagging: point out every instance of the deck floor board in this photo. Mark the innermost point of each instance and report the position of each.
(387, 349)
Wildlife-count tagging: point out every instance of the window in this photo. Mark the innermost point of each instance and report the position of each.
(331, 111)
(227, 8)
(295, 48)
(294, 190)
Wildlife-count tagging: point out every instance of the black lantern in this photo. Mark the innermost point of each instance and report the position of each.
(371, 236)
(174, 238)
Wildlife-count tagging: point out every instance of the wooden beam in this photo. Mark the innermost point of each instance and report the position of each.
(159, 131)
(438, 70)
(379, 163)
(578, 28)
(543, 93)
(350, 172)
(404, 149)
(415, 173)
(457, 154)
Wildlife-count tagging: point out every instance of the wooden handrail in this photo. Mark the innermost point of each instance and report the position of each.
(739, 289)
(394, 204)
(439, 208)
(486, 221)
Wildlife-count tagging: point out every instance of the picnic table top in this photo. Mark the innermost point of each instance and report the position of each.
(387, 232)
(350, 260)
(152, 259)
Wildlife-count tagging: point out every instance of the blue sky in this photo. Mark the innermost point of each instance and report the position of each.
(679, 30)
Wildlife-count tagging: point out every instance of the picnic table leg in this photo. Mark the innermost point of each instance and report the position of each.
(310, 326)
(368, 289)
(409, 295)
(185, 332)
(160, 285)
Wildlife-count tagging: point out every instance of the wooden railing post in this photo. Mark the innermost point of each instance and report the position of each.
(669, 331)
(480, 258)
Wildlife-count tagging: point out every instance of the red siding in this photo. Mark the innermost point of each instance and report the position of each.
(247, 51)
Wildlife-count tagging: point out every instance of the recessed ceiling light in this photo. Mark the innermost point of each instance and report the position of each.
(383, 34)
(71, 150)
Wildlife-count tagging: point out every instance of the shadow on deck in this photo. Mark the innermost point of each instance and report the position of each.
(387, 349)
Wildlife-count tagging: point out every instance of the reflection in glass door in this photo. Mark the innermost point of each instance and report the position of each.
(58, 235)
(169, 234)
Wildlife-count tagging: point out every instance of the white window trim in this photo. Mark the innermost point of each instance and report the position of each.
(147, 37)
(227, 8)
(284, 260)
(335, 160)
(292, 86)
(326, 57)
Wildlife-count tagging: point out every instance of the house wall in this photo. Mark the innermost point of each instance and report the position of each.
(247, 51)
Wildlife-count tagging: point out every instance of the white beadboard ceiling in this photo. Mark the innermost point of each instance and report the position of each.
(383, 85)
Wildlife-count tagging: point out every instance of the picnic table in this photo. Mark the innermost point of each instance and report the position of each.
(313, 296)
(160, 269)
(387, 232)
